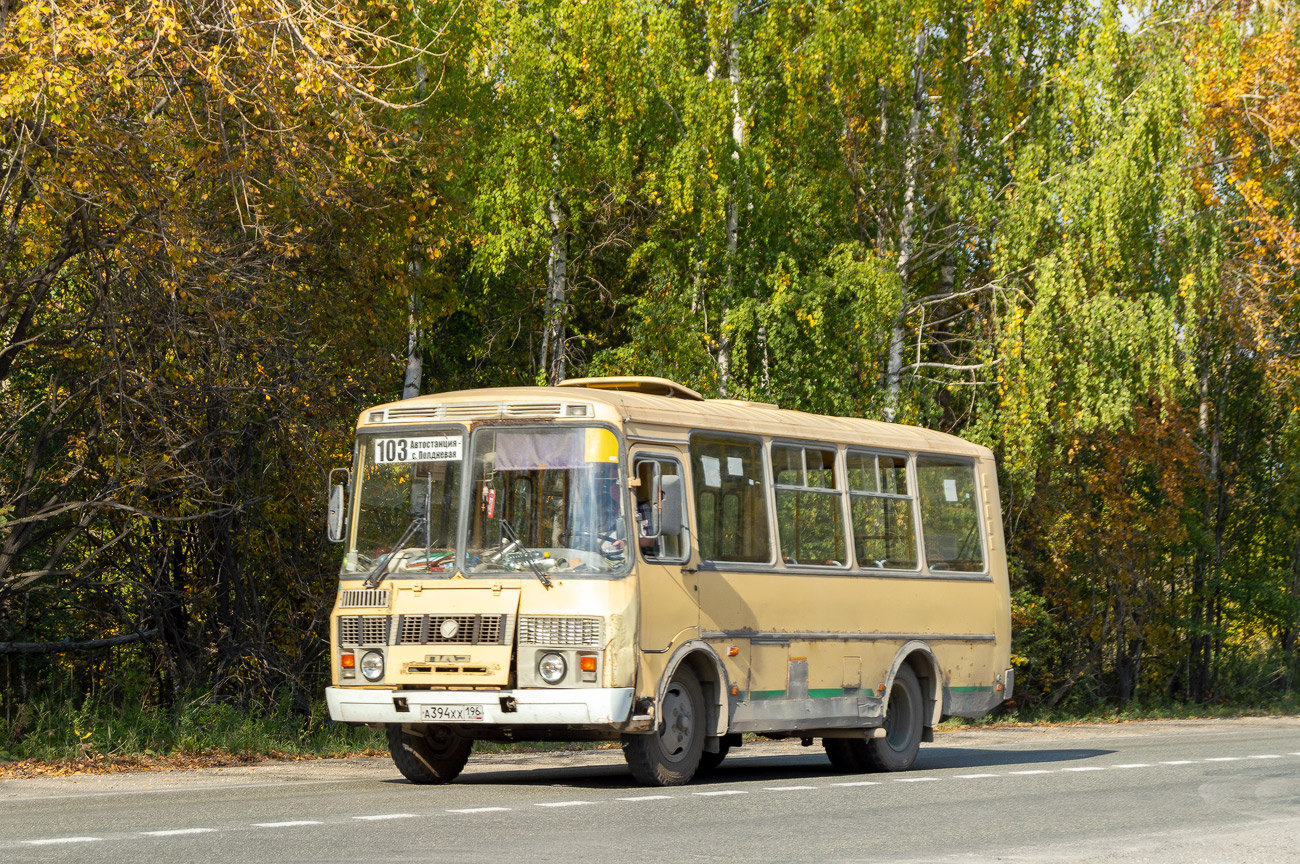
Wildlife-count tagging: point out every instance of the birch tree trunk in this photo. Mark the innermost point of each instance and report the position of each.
(906, 229)
(411, 380)
(552, 361)
(733, 208)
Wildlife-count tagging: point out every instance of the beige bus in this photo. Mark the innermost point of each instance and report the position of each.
(623, 559)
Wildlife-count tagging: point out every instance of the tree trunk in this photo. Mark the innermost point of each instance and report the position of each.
(414, 357)
(906, 228)
(733, 208)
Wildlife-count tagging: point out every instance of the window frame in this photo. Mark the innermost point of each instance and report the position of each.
(766, 471)
(912, 495)
(635, 457)
(840, 471)
(980, 518)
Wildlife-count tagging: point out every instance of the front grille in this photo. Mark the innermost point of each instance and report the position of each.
(561, 631)
(362, 598)
(470, 630)
(363, 629)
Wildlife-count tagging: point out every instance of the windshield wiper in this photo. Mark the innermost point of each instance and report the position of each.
(516, 543)
(378, 573)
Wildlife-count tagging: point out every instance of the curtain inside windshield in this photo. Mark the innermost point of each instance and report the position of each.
(547, 499)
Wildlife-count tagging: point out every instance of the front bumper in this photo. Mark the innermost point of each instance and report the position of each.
(574, 707)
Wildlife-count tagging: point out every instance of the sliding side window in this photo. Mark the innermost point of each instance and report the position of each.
(884, 536)
(809, 517)
(730, 499)
(950, 514)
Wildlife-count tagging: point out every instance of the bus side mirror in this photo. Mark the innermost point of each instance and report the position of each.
(338, 496)
(671, 515)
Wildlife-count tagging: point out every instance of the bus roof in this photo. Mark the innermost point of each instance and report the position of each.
(636, 404)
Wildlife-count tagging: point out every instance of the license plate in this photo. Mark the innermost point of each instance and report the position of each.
(452, 713)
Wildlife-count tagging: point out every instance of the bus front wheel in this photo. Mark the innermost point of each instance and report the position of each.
(428, 753)
(670, 755)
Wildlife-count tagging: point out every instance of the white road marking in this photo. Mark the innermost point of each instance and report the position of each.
(176, 832)
(1267, 756)
(914, 779)
(1223, 759)
(646, 798)
(53, 840)
(564, 803)
(169, 789)
(1133, 765)
(383, 816)
(722, 792)
(789, 788)
(1034, 771)
(1179, 762)
(296, 824)
(974, 776)
(859, 783)
(1086, 768)
(481, 810)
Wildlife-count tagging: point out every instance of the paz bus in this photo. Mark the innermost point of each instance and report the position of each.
(621, 559)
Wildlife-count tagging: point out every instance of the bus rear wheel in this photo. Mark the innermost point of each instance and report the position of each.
(670, 755)
(428, 753)
(904, 722)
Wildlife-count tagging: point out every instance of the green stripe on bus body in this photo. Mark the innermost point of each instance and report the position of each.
(827, 692)
(967, 689)
(757, 695)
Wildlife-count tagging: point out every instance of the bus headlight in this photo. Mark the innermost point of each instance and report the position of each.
(552, 668)
(372, 665)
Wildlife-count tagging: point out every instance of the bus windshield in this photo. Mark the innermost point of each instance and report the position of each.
(546, 500)
(408, 491)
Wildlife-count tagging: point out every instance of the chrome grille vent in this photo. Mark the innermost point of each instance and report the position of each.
(470, 630)
(374, 630)
(363, 629)
(362, 598)
(533, 409)
(561, 631)
(487, 410)
(349, 630)
(427, 412)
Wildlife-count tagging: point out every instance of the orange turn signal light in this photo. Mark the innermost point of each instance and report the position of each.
(348, 661)
(587, 663)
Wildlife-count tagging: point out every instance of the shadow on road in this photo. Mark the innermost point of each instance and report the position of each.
(740, 768)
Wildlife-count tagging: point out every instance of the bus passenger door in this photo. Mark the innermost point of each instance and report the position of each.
(670, 613)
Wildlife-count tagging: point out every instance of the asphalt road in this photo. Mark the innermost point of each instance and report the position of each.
(1185, 791)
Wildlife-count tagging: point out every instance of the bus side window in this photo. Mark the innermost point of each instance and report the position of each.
(809, 518)
(884, 537)
(949, 513)
(729, 484)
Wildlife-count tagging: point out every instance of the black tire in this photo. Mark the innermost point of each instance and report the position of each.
(710, 761)
(670, 755)
(904, 721)
(847, 755)
(428, 753)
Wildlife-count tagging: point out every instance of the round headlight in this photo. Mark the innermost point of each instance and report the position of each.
(552, 668)
(372, 665)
